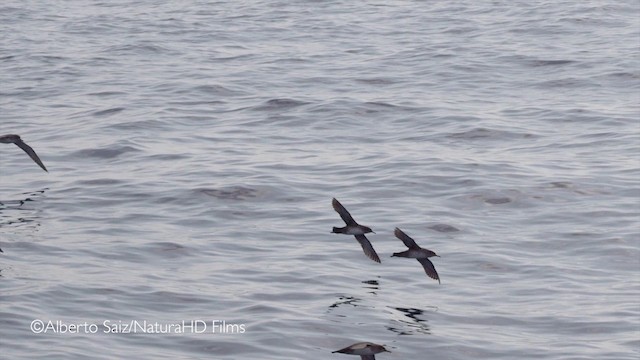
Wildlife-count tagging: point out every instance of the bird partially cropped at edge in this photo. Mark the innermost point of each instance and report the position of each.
(353, 228)
(366, 350)
(418, 253)
(15, 139)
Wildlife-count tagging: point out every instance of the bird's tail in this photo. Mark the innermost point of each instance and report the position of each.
(400, 254)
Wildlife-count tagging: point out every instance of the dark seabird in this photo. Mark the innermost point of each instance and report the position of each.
(15, 139)
(353, 228)
(366, 350)
(418, 253)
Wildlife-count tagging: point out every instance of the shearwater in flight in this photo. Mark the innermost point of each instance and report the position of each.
(353, 228)
(418, 253)
(366, 350)
(15, 139)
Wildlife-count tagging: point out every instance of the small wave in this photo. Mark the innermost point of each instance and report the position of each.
(108, 112)
(443, 228)
(498, 200)
(104, 153)
(232, 193)
(537, 63)
(483, 133)
(280, 104)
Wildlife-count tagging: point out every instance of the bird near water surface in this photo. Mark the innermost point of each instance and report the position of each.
(418, 253)
(353, 228)
(15, 139)
(366, 350)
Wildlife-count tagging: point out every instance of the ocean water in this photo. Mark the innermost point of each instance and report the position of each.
(194, 148)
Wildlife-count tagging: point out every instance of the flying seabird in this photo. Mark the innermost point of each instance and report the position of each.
(353, 228)
(418, 253)
(366, 350)
(15, 139)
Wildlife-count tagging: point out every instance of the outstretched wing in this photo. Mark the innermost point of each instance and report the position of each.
(30, 152)
(367, 247)
(409, 242)
(344, 214)
(429, 269)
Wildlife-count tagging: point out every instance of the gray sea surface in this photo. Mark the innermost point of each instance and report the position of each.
(194, 148)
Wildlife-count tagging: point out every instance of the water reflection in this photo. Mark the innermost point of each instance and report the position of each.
(374, 284)
(415, 324)
(345, 300)
(18, 212)
(355, 301)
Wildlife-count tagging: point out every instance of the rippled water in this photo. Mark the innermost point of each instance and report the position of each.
(194, 149)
